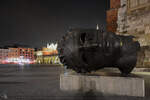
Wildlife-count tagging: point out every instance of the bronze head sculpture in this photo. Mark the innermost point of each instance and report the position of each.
(86, 50)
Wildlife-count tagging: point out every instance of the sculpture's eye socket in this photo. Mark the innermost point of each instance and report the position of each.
(83, 37)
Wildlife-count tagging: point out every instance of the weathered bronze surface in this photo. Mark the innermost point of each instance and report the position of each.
(86, 50)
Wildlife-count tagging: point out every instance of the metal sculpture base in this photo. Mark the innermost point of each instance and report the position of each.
(112, 84)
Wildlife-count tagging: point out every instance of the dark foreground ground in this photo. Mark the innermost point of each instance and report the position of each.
(41, 82)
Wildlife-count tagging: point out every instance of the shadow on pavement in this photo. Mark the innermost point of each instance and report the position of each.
(90, 95)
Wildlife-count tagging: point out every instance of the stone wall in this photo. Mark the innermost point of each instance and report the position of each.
(122, 18)
(136, 21)
(138, 24)
(143, 60)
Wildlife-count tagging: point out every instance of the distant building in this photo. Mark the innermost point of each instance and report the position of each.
(27, 53)
(48, 55)
(21, 55)
(13, 53)
(17, 55)
(3, 54)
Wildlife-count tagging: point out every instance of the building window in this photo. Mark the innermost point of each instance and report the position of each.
(137, 4)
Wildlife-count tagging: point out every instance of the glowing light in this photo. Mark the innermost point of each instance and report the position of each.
(21, 60)
(39, 53)
(49, 50)
(52, 46)
(97, 27)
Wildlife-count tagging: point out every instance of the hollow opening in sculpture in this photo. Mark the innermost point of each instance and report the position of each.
(83, 37)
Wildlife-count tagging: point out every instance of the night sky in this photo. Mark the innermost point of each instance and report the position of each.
(37, 22)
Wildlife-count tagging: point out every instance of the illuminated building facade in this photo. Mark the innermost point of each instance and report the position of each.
(48, 55)
(3, 54)
(13, 53)
(16, 55)
(132, 17)
(27, 53)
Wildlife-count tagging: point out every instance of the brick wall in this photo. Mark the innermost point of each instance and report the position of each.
(112, 20)
(114, 4)
(112, 15)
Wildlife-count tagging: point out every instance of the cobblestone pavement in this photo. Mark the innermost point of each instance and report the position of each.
(41, 82)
